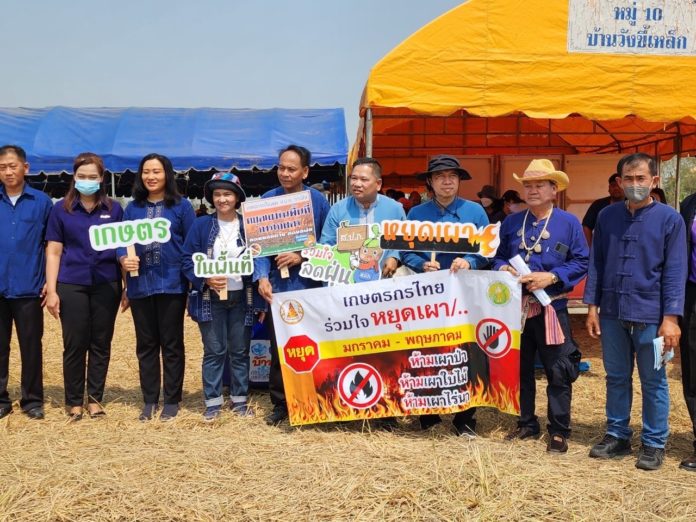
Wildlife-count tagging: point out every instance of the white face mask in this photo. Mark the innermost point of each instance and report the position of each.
(486, 202)
(515, 207)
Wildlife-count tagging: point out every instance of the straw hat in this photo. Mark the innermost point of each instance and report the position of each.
(543, 169)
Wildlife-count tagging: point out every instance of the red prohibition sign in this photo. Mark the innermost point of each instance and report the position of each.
(370, 381)
(491, 344)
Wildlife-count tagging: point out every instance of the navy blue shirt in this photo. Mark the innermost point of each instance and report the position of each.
(160, 263)
(638, 263)
(79, 263)
(22, 231)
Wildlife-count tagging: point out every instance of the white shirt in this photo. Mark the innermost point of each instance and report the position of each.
(226, 241)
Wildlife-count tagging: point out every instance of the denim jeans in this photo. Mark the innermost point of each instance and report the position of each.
(620, 342)
(226, 337)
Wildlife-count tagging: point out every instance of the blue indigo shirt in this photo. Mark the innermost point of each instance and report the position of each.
(23, 253)
(563, 253)
(160, 263)
(266, 266)
(459, 211)
(79, 263)
(354, 213)
(638, 263)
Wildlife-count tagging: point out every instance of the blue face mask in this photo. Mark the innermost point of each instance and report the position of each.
(86, 187)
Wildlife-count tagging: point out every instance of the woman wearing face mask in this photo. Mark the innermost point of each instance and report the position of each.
(491, 204)
(83, 286)
(158, 294)
(512, 202)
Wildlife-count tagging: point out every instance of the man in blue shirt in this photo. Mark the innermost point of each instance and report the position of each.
(23, 217)
(552, 244)
(293, 169)
(365, 206)
(442, 180)
(635, 292)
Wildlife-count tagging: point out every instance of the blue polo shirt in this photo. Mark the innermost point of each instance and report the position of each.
(79, 263)
(22, 231)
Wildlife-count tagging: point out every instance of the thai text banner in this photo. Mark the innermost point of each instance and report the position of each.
(654, 27)
(427, 343)
(279, 224)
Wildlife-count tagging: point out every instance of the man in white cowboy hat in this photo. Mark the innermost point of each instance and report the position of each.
(551, 242)
(635, 292)
(442, 179)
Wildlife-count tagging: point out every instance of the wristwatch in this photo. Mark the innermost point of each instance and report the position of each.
(554, 279)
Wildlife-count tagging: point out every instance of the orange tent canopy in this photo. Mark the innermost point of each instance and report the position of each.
(496, 77)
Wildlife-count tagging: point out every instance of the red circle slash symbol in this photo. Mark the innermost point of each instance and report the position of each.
(493, 337)
(360, 386)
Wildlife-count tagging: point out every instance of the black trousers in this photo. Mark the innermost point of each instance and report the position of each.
(561, 365)
(27, 315)
(87, 315)
(275, 377)
(688, 353)
(159, 329)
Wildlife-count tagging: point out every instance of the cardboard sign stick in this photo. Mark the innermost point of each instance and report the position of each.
(432, 256)
(223, 292)
(130, 250)
(284, 272)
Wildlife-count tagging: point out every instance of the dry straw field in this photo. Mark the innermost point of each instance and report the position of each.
(118, 468)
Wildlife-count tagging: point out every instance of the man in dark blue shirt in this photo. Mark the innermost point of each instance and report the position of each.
(635, 292)
(23, 216)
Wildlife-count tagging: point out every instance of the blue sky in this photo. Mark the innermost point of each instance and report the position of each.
(214, 53)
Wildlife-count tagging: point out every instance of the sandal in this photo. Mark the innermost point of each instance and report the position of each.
(74, 416)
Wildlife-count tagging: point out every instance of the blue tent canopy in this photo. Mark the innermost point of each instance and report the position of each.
(192, 138)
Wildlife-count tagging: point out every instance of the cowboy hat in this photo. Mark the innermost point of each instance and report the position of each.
(443, 162)
(541, 170)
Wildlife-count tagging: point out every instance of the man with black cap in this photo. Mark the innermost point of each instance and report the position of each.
(442, 180)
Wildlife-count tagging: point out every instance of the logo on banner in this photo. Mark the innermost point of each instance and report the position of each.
(493, 337)
(499, 293)
(291, 311)
(360, 386)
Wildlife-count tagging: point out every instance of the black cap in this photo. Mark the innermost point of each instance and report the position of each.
(444, 162)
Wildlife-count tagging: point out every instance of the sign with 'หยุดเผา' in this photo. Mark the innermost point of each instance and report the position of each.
(413, 345)
(129, 233)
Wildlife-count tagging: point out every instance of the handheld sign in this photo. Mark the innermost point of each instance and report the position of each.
(128, 233)
(279, 224)
(427, 236)
(204, 267)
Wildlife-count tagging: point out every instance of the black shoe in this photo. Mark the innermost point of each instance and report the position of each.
(650, 458)
(148, 412)
(278, 415)
(522, 433)
(557, 444)
(385, 424)
(428, 421)
(5, 411)
(36, 413)
(689, 463)
(464, 425)
(169, 412)
(610, 447)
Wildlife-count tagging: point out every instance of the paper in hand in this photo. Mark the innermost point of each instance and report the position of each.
(661, 358)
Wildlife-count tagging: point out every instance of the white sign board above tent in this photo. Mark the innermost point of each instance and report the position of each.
(650, 27)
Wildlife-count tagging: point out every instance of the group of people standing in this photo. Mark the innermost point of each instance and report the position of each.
(636, 287)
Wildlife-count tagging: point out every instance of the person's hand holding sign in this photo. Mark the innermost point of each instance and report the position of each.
(288, 259)
(217, 283)
(459, 263)
(130, 263)
(390, 266)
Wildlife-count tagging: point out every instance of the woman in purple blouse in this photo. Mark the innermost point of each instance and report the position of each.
(83, 285)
